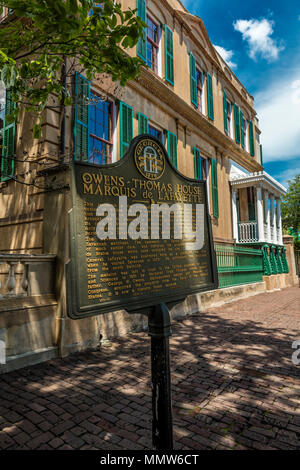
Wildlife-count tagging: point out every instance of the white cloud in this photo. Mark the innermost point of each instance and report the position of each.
(286, 175)
(258, 35)
(226, 55)
(279, 114)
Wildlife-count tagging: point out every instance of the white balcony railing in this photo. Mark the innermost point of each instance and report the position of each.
(248, 232)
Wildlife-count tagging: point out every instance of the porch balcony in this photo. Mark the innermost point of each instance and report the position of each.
(248, 233)
(256, 209)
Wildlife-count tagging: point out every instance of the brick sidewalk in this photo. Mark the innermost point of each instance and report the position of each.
(234, 386)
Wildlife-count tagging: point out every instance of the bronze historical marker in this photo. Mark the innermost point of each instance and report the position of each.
(140, 234)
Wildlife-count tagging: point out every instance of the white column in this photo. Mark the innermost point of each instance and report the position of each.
(234, 217)
(268, 238)
(279, 221)
(272, 216)
(260, 214)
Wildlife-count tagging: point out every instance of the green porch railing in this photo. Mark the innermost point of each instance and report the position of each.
(238, 265)
(285, 264)
(274, 259)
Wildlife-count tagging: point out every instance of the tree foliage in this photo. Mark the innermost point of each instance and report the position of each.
(37, 37)
(291, 205)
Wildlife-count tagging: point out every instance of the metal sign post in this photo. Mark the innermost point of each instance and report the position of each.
(160, 329)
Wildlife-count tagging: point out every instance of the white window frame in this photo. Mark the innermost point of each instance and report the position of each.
(114, 122)
(207, 183)
(159, 52)
(246, 136)
(203, 107)
(230, 123)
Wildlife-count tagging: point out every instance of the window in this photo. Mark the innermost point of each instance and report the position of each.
(199, 165)
(155, 133)
(93, 124)
(100, 130)
(251, 139)
(143, 124)
(210, 97)
(257, 138)
(152, 44)
(244, 133)
(229, 118)
(172, 147)
(142, 42)
(126, 127)
(214, 188)
(237, 124)
(200, 88)
(8, 132)
(169, 55)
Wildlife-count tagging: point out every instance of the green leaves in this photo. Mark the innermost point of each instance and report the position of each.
(37, 131)
(68, 101)
(34, 46)
(291, 205)
(10, 118)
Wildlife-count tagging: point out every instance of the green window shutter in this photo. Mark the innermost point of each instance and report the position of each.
(169, 55)
(237, 124)
(142, 42)
(251, 138)
(126, 127)
(214, 187)
(261, 155)
(8, 142)
(193, 80)
(81, 119)
(225, 112)
(197, 164)
(242, 129)
(172, 148)
(143, 124)
(210, 99)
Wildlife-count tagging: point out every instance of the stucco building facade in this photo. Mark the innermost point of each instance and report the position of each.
(188, 98)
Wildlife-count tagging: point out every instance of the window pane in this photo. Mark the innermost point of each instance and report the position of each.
(100, 146)
(152, 30)
(152, 44)
(155, 132)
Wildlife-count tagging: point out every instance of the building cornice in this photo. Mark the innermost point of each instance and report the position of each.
(181, 18)
(162, 93)
(260, 178)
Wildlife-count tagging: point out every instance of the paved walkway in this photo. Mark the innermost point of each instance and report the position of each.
(234, 386)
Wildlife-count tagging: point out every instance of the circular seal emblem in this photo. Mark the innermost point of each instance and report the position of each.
(149, 159)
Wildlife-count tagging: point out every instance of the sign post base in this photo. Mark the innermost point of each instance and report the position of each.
(162, 426)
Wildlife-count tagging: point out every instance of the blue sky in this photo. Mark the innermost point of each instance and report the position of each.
(260, 40)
